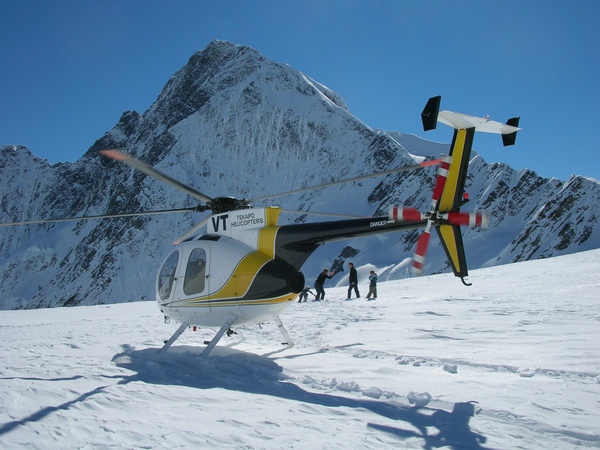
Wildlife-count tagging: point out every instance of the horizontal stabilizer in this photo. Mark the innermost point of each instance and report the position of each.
(510, 138)
(429, 116)
(484, 124)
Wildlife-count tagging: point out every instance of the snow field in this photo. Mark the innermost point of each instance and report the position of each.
(510, 362)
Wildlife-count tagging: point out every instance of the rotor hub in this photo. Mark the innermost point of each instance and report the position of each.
(219, 205)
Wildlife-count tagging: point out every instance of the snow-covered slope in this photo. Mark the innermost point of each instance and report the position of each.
(231, 122)
(511, 363)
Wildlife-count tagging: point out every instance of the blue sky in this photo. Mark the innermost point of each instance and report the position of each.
(70, 68)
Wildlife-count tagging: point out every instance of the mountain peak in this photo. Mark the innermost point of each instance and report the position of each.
(231, 122)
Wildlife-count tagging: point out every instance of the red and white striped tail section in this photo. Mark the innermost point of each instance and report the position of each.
(403, 214)
(474, 219)
(440, 181)
(418, 261)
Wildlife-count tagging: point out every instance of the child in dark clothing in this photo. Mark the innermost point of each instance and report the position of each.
(373, 286)
(304, 294)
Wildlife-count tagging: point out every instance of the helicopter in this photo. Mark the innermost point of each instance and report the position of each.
(246, 269)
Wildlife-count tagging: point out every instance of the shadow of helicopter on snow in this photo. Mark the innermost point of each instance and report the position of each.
(246, 372)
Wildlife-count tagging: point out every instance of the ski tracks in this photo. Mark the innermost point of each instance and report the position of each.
(417, 345)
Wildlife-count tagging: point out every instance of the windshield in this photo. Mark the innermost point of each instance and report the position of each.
(166, 276)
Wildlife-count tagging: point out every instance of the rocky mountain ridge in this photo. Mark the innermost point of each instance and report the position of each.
(231, 122)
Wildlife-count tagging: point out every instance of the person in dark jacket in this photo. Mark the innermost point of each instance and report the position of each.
(319, 284)
(353, 281)
(372, 285)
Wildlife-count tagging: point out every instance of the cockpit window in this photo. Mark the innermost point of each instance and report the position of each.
(195, 272)
(166, 276)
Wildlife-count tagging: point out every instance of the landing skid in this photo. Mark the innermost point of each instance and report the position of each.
(225, 328)
(180, 330)
(287, 339)
(218, 336)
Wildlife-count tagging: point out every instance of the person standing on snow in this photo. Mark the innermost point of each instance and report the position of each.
(353, 281)
(373, 285)
(319, 284)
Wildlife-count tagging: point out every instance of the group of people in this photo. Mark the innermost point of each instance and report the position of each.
(353, 280)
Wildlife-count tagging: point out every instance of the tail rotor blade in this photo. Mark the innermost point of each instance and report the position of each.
(474, 219)
(404, 214)
(418, 262)
(440, 181)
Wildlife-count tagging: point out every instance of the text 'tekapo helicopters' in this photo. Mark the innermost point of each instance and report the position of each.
(246, 269)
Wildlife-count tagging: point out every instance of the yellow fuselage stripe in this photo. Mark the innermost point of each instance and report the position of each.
(240, 280)
(210, 302)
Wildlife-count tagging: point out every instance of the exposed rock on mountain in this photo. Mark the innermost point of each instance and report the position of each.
(231, 122)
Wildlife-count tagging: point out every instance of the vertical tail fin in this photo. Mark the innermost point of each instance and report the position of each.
(452, 199)
(429, 115)
(451, 239)
(509, 139)
(460, 152)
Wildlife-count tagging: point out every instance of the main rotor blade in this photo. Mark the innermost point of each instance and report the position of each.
(148, 170)
(193, 231)
(104, 216)
(349, 180)
(346, 216)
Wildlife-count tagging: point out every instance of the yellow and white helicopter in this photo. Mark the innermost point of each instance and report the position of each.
(245, 269)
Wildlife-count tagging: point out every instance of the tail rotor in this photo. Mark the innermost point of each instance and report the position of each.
(411, 214)
(448, 194)
(418, 262)
(435, 217)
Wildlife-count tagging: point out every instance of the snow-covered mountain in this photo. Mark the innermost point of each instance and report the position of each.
(232, 122)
